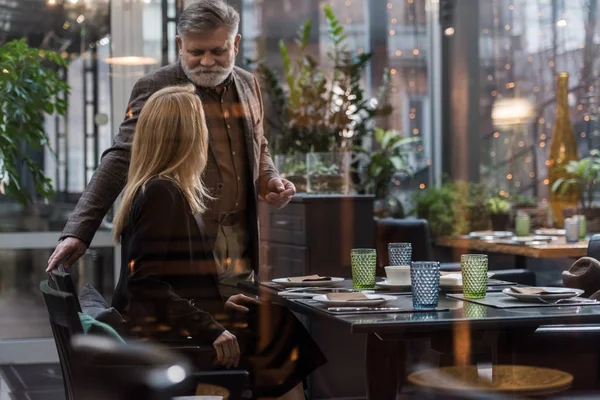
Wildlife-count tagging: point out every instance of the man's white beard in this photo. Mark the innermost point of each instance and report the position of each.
(207, 77)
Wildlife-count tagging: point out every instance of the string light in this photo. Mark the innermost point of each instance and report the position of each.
(541, 120)
(546, 181)
(398, 53)
(51, 2)
(518, 184)
(551, 64)
(542, 137)
(393, 71)
(510, 85)
(392, 32)
(507, 27)
(389, 6)
(511, 7)
(416, 52)
(582, 134)
(532, 174)
(485, 31)
(360, 50)
(415, 131)
(493, 154)
(521, 144)
(422, 186)
(507, 67)
(586, 118)
(561, 23)
(449, 31)
(394, 21)
(509, 177)
(536, 89)
(543, 144)
(496, 135)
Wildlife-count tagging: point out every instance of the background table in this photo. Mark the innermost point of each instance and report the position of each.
(556, 249)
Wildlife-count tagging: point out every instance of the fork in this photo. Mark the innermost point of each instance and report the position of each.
(577, 298)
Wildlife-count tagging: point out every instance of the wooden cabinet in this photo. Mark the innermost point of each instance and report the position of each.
(314, 234)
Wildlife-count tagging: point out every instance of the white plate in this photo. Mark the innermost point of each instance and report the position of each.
(285, 282)
(374, 300)
(550, 232)
(393, 286)
(558, 293)
(494, 234)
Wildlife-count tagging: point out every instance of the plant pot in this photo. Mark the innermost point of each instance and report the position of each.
(329, 172)
(592, 216)
(500, 222)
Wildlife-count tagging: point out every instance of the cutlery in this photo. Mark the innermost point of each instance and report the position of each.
(343, 309)
(576, 298)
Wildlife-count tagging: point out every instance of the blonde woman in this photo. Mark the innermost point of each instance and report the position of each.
(167, 263)
(169, 284)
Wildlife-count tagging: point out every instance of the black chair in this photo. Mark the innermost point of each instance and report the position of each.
(63, 311)
(63, 282)
(416, 232)
(64, 321)
(594, 247)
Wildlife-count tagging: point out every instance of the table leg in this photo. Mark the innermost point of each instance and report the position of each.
(385, 363)
(521, 262)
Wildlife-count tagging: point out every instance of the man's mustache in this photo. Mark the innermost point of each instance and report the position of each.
(202, 70)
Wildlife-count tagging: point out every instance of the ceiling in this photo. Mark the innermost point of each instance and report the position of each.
(53, 24)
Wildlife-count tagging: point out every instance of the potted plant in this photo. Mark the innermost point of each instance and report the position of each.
(379, 165)
(583, 175)
(499, 210)
(320, 109)
(30, 87)
(328, 172)
(293, 168)
(437, 206)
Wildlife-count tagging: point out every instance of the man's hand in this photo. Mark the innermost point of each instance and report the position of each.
(67, 252)
(236, 303)
(228, 350)
(280, 192)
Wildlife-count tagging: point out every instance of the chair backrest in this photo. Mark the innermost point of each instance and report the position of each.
(64, 283)
(64, 321)
(414, 231)
(594, 247)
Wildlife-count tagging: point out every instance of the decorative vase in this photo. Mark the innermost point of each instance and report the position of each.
(563, 149)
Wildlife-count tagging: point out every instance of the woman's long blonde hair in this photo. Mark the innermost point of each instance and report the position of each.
(171, 142)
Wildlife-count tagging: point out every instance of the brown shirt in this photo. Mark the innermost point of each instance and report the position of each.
(223, 117)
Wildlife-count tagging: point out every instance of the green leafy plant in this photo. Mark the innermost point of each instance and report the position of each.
(321, 109)
(437, 205)
(30, 87)
(456, 208)
(498, 205)
(378, 166)
(583, 175)
(523, 201)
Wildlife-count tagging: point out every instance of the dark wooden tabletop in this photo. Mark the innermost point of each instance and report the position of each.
(477, 317)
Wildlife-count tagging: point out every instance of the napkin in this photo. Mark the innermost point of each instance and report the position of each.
(354, 296)
(309, 278)
(534, 290)
(451, 279)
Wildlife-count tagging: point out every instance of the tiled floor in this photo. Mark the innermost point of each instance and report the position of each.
(31, 382)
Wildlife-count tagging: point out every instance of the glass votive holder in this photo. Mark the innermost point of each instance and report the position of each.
(399, 254)
(474, 268)
(522, 224)
(363, 262)
(425, 283)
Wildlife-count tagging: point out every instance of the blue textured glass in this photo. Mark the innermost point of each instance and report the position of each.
(425, 280)
(400, 253)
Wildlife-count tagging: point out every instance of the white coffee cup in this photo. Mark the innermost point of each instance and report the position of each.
(398, 275)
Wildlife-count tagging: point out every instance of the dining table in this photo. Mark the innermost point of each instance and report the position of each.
(387, 333)
(557, 248)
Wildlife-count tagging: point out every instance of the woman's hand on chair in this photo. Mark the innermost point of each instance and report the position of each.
(228, 350)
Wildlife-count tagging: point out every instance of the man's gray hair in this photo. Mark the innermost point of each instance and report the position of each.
(208, 15)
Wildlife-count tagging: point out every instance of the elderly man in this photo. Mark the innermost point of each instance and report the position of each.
(239, 164)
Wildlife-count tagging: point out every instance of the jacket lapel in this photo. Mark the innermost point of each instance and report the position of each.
(242, 91)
